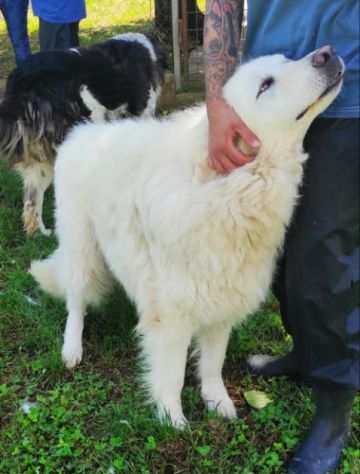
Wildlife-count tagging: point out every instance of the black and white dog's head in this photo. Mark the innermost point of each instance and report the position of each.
(126, 76)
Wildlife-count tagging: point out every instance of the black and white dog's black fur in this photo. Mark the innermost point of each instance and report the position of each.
(55, 90)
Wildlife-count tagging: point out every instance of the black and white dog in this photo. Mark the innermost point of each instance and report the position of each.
(55, 90)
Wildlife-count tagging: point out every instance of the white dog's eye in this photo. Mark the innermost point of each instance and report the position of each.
(265, 85)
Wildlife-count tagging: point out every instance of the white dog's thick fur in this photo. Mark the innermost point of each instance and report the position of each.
(194, 251)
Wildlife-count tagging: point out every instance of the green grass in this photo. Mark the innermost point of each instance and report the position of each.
(94, 419)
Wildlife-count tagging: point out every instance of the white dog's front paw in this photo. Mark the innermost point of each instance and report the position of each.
(224, 407)
(71, 354)
(217, 399)
(172, 416)
(180, 423)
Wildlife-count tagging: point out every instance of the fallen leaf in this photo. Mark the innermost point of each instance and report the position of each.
(257, 399)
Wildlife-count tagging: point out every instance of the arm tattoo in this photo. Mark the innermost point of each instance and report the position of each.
(222, 31)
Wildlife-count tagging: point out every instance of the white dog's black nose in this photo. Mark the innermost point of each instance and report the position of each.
(322, 56)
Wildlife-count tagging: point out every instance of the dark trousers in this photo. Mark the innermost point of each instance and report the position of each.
(317, 283)
(58, 35)
(15, 15)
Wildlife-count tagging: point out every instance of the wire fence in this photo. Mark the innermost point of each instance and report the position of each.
(190, 37)
(192, 26)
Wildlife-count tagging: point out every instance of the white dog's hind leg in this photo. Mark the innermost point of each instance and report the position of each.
(87, 280)
(165, 348)
(212, 343)
(46, 273)
(84, 275)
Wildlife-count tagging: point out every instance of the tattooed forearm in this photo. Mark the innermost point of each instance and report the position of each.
(221, 42)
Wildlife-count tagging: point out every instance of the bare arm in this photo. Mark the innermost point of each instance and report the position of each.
(221, 42)
(222, 30)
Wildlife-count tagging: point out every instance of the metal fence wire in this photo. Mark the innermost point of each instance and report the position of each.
(155, 16)
(191, 25)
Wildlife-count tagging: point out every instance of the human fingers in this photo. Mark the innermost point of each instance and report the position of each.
(227, 164)
(215, 162)
(220, 163)
(247, 135)
(237, 156)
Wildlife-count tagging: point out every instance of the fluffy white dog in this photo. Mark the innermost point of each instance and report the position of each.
(195, 251)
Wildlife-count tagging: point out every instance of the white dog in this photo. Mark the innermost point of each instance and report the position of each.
(194, 251)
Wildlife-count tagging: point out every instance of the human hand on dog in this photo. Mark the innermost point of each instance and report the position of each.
(226, 132)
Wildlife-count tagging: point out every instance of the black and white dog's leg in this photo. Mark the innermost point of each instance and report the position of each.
(212, 342)
(152, 102)
(37, 177)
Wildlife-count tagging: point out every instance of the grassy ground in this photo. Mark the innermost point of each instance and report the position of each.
(94, 420)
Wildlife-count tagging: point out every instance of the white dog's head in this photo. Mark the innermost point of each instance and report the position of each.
(275, 96)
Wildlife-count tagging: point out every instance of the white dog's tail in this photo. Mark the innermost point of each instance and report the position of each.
(46, 273)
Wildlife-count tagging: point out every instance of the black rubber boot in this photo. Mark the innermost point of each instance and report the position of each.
(320, 453)
(270, 366)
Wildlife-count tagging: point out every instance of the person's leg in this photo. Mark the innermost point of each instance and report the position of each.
(322, 284)
(15, 15)
(320, 452)
(74, 34)
(58, 35)
(326, 218)
(322, 257)
(48, 34)
(67, 35)
(319, 290)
